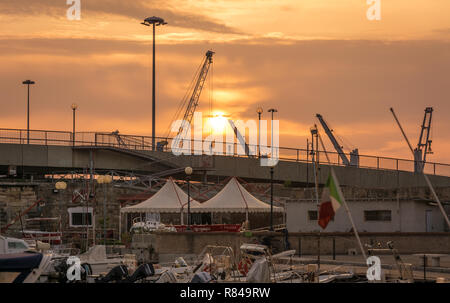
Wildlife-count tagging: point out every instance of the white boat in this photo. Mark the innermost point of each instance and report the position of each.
(100, 263)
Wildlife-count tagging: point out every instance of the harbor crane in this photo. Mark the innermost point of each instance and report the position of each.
(424, 146)
(420, 152)
(193, 102)
(194, 96)
(354, 154)
(240, 138)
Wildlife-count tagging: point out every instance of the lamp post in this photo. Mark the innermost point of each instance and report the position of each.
(155, 21)
(271, 198)
(188, 170)
(272, 110)
(106, 179)
(74, 107)
(28, 83)
(60, 186)
(259, 110)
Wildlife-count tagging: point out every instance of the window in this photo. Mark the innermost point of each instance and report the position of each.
(312, 215)
(16, 245)
(377, 215)
(80, 216)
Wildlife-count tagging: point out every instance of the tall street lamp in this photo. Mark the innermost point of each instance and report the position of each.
(74, 107)
(272, 110)
(28, 83)
(188, 170)
(155, 21)
(271, 198)
(106, 179)
(259, 110)
(60, 186)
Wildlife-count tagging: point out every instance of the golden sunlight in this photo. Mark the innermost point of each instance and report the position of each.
(217, 122)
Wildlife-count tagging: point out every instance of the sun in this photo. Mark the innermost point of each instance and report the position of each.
(218, 122)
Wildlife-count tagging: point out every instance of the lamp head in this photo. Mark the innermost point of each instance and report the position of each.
(61, 185)
(107, 179)
(259, 110)
(154, 20)
(74, 106)
(188, 170)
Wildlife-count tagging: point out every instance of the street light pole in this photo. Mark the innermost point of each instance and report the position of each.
(28, 83)
(153, 91)
(272, 110)
(259, 110)
(155, 21)
(60, 186)
(271, 198)
(188, 170)
(74, 108)
(105, 180)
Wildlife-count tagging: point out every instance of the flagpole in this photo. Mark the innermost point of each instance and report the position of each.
(315, 158)
(437, 199)
(349, 215)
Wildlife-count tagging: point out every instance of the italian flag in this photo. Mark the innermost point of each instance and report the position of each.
(332, 199)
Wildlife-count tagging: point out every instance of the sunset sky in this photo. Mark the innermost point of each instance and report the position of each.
(301, 57)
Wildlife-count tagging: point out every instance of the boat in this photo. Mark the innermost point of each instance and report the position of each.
(100, 263)
(24, 267)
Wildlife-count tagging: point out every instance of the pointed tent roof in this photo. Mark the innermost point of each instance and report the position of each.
(169, 199)
(234, 198)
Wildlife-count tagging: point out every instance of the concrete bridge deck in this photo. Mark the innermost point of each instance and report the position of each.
(39, 152)
(47, 159)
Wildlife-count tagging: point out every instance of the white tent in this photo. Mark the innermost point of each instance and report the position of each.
(234, 198)
(169, 199)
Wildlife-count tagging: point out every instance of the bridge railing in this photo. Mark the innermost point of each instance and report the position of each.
(144, 143)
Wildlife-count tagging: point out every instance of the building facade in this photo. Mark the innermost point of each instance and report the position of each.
(369, 215)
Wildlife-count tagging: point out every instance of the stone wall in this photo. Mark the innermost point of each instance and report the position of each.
(14, 200)
(161, 244)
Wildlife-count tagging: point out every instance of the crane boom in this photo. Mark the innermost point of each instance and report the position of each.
(240, 138)
(193, 101)
(424, 146)
(333, 140)
(401, 129)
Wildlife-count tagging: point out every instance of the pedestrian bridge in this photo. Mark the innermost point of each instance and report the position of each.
(53, 152)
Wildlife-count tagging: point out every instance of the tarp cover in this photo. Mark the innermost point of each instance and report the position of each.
(169, 199)
(259, 272)
(95, 253)
(20, 261)
(234, 198)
